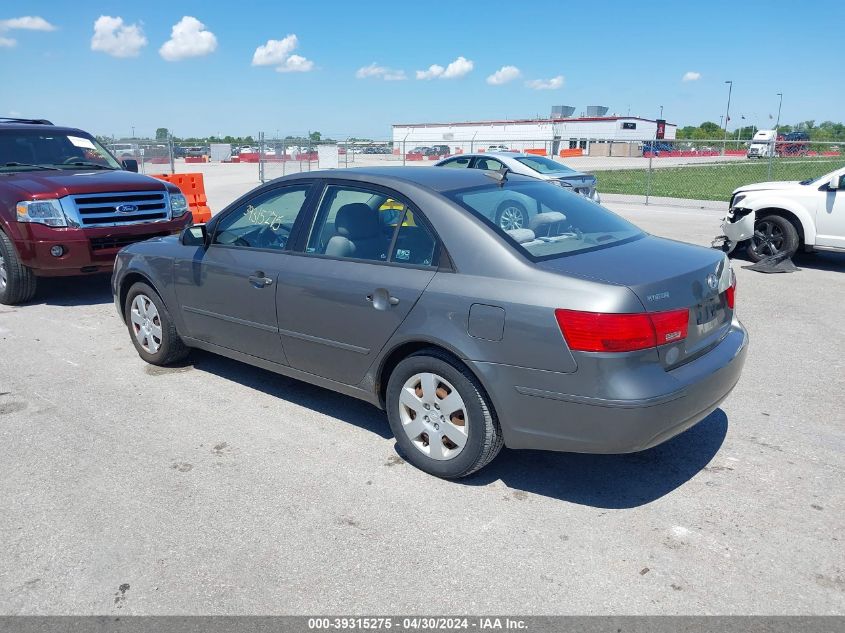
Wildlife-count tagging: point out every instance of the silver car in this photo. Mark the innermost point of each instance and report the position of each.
(395, 285)
(518, 216)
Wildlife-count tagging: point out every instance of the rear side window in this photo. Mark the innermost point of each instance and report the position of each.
(489, 164)
(360, 223)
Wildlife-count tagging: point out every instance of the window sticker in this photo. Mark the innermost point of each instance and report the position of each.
(403, 254)
(79, 141)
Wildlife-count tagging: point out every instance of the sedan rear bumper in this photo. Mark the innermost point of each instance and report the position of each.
(534, 417)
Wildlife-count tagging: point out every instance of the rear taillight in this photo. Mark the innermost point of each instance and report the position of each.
(605, 332)
(730, 293)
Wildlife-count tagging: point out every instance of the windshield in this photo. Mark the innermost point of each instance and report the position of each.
(30, 149)
(544, 165)
(553, 222)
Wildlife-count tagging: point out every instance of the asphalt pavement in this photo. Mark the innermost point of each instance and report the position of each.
(215, 487)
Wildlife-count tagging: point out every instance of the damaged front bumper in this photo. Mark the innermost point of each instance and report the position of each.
(737, 227)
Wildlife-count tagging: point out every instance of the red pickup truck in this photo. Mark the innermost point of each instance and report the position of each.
(67, 206)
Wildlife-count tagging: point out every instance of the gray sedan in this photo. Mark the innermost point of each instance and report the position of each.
(518, 216)
(397, 286)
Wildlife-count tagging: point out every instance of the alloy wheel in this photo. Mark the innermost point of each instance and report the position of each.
(768, 239)
(4, 276)
(433, 416)
(511, 218)
(146, 323)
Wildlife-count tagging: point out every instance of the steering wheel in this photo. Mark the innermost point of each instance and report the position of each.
(268, 238)
(70, 160)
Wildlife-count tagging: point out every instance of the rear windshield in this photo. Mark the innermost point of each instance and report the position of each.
(33, 149)
(544, 165)
(543, 220)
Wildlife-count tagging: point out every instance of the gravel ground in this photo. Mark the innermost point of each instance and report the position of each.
(216, 487)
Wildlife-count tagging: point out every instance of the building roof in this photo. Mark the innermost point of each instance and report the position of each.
(534, 120)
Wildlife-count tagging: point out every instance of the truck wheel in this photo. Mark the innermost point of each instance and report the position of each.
(17, 282)
(440, 415)
(773, 235)
(150, 327)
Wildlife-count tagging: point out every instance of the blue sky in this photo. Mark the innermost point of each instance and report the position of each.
(630, 56)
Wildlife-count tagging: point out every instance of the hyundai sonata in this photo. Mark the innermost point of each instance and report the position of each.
(396, 285)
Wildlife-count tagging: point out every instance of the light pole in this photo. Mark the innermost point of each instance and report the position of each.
(133, 131)
(661, 112)
(780, 103)
(727, 114)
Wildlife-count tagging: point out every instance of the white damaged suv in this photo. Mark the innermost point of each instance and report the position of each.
(778, 218)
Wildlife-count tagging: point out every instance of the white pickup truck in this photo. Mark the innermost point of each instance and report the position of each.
(776, 218)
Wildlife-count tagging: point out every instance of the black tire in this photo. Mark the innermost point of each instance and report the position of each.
(20, 282)
(483, 433)
(773, 235)
(510, 214)
(170, 348)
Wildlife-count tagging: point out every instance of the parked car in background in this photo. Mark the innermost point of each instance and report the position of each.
(440, 150)
(125, 150)
(579, 333)
(779, 218)
(421, 149)
(67, 206)
(793, 144)
(498, 148)
(658, 146)
(516, 214)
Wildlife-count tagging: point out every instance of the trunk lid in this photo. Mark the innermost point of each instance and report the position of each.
(665, 275)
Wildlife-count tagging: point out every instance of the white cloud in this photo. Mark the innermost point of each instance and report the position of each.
(458, 68)
(27, 22)
(188, 38)
(504, 75)
(435, 70)
(296, 64)
(546, 84)
(691, 76)
(274, 52)
(113, 37)
(374, 71)
(278, 53)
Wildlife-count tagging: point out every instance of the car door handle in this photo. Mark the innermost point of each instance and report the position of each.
(382, 299)
(259, 280)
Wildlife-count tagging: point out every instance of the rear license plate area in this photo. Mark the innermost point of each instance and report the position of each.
(707, 314)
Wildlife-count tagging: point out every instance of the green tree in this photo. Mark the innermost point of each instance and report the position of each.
(315, 137)
(162, 134)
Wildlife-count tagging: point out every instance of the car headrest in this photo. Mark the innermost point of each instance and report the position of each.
(542, 222)
(356, 220)
(521, 236)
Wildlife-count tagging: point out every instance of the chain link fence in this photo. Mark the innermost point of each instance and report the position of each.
(685, 172)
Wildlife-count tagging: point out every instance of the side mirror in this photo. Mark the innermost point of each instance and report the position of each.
(835, 182)
(130, 164)
(194, 235)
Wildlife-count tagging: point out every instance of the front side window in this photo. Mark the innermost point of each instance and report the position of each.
(265, 221)
(457, 162)
(37, 149)
(359, 223)
(558, 222)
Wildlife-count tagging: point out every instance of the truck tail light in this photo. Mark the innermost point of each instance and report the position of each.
(606, 332)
